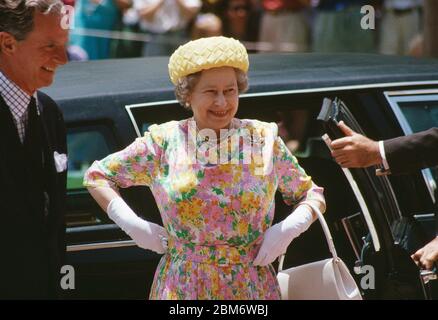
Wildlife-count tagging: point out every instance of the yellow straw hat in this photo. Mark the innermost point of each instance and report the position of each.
(206, 53)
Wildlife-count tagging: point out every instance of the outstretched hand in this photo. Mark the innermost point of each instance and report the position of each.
(428, 255)
(355, 150)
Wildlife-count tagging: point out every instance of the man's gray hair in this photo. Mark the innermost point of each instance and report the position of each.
(186, 84)
(17, 16)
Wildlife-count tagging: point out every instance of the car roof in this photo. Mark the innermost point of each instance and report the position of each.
(148, 77)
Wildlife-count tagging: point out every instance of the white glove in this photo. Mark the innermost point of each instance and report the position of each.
(278, 237)
(146, 235)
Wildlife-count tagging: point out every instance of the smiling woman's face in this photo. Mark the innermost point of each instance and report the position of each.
(215, 98)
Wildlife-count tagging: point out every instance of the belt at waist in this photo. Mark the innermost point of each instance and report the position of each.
(216, 254)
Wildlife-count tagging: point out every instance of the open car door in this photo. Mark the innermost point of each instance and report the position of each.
(396, 275)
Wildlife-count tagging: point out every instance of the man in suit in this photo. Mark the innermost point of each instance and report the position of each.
(32, 150)
(399, 155)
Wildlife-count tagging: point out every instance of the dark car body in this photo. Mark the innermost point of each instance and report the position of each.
(376, 221)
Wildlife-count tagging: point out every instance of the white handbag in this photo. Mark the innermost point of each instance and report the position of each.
(327, 279)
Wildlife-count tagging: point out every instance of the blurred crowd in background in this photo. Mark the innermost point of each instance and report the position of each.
(134, 28)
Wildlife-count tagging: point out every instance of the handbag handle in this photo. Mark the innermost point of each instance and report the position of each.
(327, 233)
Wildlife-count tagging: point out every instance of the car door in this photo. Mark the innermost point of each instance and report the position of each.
(417, 110)
(396, 275)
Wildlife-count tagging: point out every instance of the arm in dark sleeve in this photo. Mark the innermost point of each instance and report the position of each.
(412, 152)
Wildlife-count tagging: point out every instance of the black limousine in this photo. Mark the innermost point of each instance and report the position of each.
(375, 220)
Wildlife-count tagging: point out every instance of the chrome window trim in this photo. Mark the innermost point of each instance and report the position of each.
(362, 204)
(98, 227)
(393, 98)
(342, 88)
(100, 245)
(129, 107)
(424, 216)
(364, 208)
(411, 92)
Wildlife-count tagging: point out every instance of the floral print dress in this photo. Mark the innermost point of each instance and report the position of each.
(215, 214)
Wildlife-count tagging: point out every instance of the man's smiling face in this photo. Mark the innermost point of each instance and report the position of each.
(37, 57)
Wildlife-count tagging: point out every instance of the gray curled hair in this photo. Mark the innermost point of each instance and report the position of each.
(186, 84)
(17, 16)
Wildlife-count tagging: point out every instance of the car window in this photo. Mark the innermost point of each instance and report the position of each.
(421, 115)
(417, 110)
(145, 126)
(85, 145)
(155, 113)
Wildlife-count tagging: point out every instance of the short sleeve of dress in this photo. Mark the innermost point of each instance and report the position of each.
(137, 164)
(293, 182)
